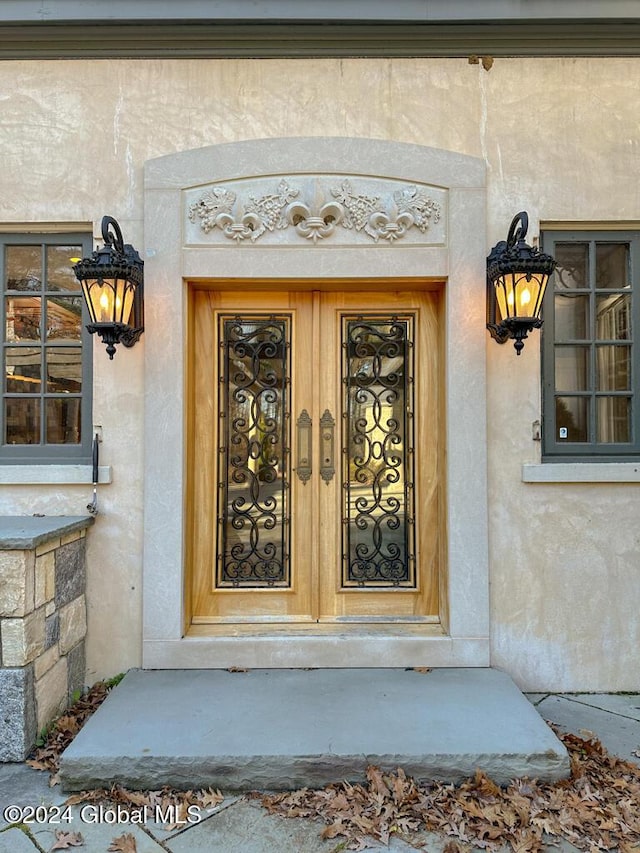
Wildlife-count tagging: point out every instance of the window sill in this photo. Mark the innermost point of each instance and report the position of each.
(38, 475)
(581, 472)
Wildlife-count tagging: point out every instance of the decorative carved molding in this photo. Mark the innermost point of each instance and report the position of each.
(316, 208)
(315, 226)
(216, 210)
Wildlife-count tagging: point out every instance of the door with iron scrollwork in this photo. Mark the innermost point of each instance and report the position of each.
(315, 456)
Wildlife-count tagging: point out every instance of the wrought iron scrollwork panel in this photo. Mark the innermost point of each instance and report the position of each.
(253, 488)
(378, 466)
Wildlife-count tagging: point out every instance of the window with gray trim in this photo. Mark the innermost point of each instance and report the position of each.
(46, 351)
(591, 398)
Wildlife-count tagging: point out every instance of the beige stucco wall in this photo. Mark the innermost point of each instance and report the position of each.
(561, 139)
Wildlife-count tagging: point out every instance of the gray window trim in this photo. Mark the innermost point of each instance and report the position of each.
(48, 454)
(418, 10)
(57, 11)
(60, 29)
(554, 450)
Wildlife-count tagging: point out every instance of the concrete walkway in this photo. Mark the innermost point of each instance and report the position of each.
(240, 825)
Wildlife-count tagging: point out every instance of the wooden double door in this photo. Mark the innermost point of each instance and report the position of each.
(315, 445)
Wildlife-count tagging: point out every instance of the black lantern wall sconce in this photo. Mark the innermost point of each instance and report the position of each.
(112, 282)
(517, 276)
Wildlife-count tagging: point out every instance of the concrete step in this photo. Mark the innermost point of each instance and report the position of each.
(274, 729)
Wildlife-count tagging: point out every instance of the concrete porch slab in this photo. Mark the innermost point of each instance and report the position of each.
(279, 729)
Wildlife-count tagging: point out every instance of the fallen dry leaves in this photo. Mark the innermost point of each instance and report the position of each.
(597, 809)
(65, 840)
(123, 844)
(65, 728)
(165, 801)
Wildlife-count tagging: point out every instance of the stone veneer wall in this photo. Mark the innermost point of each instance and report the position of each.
(42, 624)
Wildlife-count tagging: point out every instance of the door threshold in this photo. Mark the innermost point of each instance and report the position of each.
(319, 629)
(315, 646)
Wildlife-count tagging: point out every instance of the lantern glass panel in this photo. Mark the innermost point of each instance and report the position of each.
(541, 280)
(504, 296)
(520, 295)
(110, 300)
(128, 292)
(528, 294)
(87, 288)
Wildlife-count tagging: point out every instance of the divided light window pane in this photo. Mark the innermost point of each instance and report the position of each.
(46, 360)
(590, 386)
